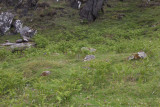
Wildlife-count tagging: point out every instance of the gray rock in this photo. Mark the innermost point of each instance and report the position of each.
(131, 57)
(91, 9)
(17, 46)
(18, 26)
(89, 57)
(6, 19)
(19, 41)
(27, 33)
(139, 55)
(45, 73)
(7, 44)
(142, 55)
(21, 45)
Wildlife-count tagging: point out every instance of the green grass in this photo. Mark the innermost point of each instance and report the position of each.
(108, 80)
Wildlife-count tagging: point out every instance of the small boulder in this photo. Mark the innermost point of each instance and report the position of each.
(89, 57)
(19, 41)
(142, 55)
(45, 73)
(20, 46)
(91, 9)
(139, 55)
(27, 33)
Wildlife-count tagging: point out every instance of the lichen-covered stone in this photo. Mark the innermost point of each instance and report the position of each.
(18, 26)
(27, 33)
(6, 19)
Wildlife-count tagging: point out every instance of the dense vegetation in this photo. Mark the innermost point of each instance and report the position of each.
(109, 80)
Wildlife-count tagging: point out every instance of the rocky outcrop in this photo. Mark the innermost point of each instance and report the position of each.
(91, 9)
(6, 20)
(26, 33)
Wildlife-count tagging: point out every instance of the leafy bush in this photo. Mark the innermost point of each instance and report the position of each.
(59, 92)
(3, 54)
(41, 42)
(10, 82)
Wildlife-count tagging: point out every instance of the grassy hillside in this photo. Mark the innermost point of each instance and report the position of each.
(108, 80)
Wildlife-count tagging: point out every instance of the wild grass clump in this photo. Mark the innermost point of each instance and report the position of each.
(11, 83)
(4, 54)
(41, 41)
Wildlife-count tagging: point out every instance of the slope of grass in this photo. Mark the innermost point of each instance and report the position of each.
(108, 80)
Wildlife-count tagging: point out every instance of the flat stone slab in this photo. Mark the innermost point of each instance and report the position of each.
(17, 46)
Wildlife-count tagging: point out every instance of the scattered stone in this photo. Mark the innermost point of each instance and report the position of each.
(142, 55)
(6, 19)
(27, 33)
(17, 46)
(19, 41)
(88, 49)
(139, 55)
(21, 45)
(45, 73)
(89, 57)
(7, 44)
